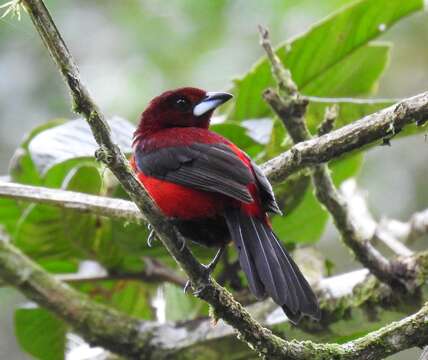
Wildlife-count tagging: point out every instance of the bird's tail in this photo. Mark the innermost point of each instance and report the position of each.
(269, 268)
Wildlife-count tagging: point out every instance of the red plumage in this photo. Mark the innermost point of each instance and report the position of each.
(214, 193)
(170, 197)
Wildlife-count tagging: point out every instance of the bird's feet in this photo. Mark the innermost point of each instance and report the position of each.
(152, 237)
(183, 242)
(208, 269)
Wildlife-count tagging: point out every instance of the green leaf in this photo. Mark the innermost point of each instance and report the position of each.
(73, 140)
(239, 136)
(327, 45)
(40, 234)
(10, 213)
(50, 234)
(132, 297)
(306, 223)
(355, 75)
(40, 333)
(22, 168)
(180, 306)
(361, 73)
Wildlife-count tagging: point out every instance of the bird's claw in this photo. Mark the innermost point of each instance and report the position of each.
(206, 274)
(208, 270)
(183, 243)
(152, 235)
(187, 286)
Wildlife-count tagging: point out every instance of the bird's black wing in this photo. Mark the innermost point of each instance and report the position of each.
(208, 167)
(266, 192)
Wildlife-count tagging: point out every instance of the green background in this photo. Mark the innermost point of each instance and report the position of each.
(130, 51)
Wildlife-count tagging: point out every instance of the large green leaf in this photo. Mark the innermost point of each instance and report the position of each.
(22, 167)
(40, 333)
(295, 195)
(326, 45)
(74, 140)
(356, 74)
(48, 233)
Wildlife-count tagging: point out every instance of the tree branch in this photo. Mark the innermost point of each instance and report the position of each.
(222, 302)
(356, 135)
(95, 322)
(415, 228)
(407, 232)
(378, 232)
(98, 205)
(103, 326)
(348, 226)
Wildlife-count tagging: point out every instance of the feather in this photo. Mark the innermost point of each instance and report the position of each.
(207, 167)
(268, 266)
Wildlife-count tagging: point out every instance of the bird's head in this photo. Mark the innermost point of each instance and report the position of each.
(184, 107)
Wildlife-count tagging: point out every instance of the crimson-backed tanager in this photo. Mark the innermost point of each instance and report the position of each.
(215, 193)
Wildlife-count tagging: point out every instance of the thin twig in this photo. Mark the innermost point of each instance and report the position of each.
(417, 227)
(295, 104)
(325, 190)
(285, 83)
(330, 117)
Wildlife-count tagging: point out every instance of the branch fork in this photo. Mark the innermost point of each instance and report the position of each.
(123, 337)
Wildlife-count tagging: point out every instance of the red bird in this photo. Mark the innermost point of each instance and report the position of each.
(215, 193)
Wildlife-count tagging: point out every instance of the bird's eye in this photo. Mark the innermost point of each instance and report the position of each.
(182, 104)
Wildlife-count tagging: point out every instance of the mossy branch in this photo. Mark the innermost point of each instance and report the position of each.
(221, 301)
(101, 325)
(291, 108)
(261, 339)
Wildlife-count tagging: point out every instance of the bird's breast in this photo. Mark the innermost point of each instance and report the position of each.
(184, 203)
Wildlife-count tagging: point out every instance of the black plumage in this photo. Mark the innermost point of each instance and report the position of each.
(208, 167)
(269, 268)
(267, 196)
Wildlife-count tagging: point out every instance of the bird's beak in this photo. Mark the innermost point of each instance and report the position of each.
(210, 102)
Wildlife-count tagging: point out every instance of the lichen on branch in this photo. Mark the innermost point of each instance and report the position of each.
(36, 284)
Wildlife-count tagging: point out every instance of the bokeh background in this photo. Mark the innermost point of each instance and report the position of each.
(131, 50)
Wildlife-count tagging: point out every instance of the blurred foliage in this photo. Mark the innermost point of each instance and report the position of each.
(334, 58)
(40, 333)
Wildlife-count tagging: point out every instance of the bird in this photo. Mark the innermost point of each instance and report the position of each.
(216, 194)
